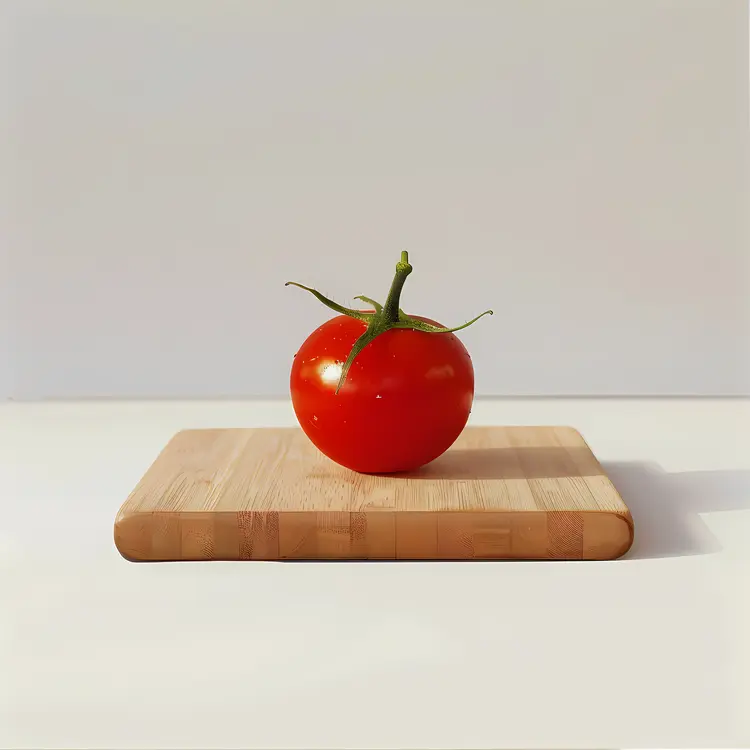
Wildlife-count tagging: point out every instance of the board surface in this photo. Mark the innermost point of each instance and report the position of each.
(269, 494)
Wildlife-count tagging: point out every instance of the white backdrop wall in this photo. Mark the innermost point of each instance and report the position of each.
(581, 167)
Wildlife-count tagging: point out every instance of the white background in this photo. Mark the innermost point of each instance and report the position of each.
(581, 167)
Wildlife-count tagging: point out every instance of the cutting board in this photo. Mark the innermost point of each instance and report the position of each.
(269, 494)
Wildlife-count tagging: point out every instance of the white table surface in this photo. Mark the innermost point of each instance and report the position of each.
(652, 650)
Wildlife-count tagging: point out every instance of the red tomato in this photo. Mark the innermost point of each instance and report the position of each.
(405, 398)
(404, 402)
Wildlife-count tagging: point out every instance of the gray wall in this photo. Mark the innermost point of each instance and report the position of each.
(579, 166)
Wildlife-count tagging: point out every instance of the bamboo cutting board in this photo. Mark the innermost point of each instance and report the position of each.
(268, 494)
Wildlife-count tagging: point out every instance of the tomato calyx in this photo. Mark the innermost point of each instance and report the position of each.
(385, 317)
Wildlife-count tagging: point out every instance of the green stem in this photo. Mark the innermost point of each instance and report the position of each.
(391, 306)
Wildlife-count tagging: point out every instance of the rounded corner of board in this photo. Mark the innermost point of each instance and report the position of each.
(617, 533)
(626, 520)
(573, 432)
(127, 538)
(185, 432)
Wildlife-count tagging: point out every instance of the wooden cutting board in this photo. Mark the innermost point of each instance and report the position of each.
(268, 494)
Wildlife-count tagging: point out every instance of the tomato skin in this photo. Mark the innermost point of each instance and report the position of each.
(406, 398)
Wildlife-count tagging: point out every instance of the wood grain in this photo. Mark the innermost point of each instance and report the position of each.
(268, 494)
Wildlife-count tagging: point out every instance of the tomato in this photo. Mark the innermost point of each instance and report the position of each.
(379, 394)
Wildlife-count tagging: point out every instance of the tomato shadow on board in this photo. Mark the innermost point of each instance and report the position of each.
(507, 463)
